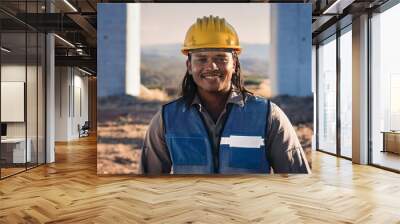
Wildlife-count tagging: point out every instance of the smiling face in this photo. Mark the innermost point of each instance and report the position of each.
(212, 70)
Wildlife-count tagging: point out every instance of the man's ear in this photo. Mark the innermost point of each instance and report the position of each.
(234, 62)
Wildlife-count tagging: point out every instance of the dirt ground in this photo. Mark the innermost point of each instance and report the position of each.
(123, 122)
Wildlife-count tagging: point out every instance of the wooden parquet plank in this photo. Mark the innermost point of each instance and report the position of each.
(69, 191)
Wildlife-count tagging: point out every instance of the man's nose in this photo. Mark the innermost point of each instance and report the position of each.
(211, 65)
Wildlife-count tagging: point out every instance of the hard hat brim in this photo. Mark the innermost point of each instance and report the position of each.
(185, 50)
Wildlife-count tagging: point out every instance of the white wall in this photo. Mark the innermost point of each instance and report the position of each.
(79, 117)
(61, 103)
(71, 93)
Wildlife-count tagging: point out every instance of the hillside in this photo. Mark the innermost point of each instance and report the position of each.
(163, 66)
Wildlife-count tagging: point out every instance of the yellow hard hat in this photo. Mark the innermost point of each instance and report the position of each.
(211, 32)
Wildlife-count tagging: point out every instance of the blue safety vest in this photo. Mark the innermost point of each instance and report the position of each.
(242, 146)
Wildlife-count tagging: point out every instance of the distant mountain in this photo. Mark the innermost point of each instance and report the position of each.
(164, 65)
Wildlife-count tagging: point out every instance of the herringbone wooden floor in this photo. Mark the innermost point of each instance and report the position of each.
(69, 191)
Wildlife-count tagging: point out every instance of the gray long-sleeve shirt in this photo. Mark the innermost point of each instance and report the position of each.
(284, 151)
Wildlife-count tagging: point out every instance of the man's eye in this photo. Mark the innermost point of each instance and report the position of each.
(201, 60)
(221, 60)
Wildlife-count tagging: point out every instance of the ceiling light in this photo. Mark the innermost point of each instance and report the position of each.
(79, 51)
(65, 41)
(70, 5)
(84, 71)
(337, 7)
(5, 50)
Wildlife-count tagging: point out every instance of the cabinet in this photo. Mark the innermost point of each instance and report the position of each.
(391, 141)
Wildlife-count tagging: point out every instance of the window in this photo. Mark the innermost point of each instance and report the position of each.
(346, 92)
(327, 95)
(385, 88)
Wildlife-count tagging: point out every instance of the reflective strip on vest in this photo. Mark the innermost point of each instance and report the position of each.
(243, 141)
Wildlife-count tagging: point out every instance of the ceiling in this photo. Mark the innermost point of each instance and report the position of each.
(72, 20)
(76, 22)
(332, 15)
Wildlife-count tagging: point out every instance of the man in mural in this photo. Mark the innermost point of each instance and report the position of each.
(217, 126)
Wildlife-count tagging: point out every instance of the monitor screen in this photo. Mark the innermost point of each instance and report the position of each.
(3, 129)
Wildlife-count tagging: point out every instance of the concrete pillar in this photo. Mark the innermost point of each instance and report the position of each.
(360, 90)
(290, 67)
(63, 102)
(50, 98)
(118, 51)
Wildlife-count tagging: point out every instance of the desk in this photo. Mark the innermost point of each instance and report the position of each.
(17, 150)
(391, 141)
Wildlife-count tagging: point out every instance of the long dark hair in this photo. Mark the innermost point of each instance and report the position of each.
(189, 87)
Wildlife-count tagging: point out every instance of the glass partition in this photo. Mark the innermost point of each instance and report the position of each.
(13, 105)
(22, 88)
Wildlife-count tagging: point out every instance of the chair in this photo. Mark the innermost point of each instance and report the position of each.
(84, 130)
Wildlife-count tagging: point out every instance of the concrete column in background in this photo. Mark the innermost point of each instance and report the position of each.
(118, 49)
(360, 90)
(132, 67)
(290, 66)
